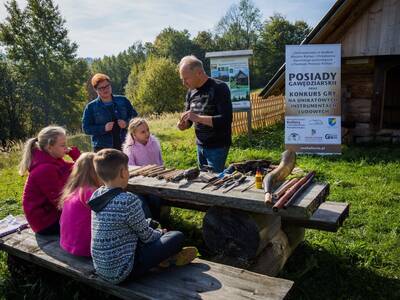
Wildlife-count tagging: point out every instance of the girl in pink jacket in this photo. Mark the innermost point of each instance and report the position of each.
(48, 173)
(141, 147)
(75, 221)
(144, 149)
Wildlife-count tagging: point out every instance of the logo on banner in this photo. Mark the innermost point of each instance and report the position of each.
(331, 136)
(294, 137)
(315, 122)
(332, 122)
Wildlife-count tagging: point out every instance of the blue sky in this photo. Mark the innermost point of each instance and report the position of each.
(102, 27)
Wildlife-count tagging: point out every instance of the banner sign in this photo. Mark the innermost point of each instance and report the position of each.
(312, 93)
(234, 71)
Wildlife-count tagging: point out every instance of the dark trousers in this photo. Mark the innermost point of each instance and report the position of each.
(149, 255)
(50, 230)
(151, 206)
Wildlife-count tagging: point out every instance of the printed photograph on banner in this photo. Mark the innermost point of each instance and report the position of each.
(234, 71)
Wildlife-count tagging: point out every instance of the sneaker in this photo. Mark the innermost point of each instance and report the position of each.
(183, 257)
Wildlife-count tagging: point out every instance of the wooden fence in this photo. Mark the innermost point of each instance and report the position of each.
(264, 112)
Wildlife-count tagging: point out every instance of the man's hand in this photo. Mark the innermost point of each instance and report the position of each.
(121, 123)
(109, 126)
(196, 118)
(190, 116)
(182, 124)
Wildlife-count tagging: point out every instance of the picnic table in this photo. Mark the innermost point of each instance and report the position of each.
(240, 228)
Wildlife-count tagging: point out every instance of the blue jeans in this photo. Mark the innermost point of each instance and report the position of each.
(214, 157)
(150, 255)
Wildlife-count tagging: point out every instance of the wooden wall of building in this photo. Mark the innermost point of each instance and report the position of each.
(357, 97)
(376, 32)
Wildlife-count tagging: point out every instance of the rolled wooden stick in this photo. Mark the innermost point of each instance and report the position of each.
(149, 171)
(138, 171)
(169, 176)
(248, 187)
(282, 189)
(281, 202)
(162, 176)
(299, 191)
(161, 172)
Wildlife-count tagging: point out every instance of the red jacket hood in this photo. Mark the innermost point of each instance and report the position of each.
(42, 157)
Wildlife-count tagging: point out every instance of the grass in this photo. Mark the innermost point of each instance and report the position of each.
(360, 261)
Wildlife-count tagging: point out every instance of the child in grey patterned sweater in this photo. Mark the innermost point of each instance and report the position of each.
(123, 244)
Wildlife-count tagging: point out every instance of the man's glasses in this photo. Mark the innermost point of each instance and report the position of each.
(103, 88)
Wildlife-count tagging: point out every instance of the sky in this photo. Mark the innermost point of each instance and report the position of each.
(101, 27)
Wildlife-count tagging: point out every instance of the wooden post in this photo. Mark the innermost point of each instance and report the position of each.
(249, 129)
(249, 240)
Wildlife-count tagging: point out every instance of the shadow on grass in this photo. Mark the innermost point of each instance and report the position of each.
(29, 281)
(319, 274)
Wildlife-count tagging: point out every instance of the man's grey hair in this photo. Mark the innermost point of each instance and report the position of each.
(192, 62)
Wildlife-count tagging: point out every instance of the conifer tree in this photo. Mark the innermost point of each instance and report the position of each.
(49, 74)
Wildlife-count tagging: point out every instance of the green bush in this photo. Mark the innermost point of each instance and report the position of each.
(155, 87)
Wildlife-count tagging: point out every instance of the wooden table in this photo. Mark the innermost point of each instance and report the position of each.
(240, 228)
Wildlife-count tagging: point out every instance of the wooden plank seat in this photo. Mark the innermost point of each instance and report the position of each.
(199, 280)
(329, 216)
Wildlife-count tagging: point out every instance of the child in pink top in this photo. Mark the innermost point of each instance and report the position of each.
(141, 147)
(144, 149)
(75, 221)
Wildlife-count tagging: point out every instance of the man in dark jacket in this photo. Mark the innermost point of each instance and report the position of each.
(106, 118)
(208, 105)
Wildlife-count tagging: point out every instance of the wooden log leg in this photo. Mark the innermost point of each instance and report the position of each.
(236, 237)
(295, 235)
(274, 256)
(271, 261)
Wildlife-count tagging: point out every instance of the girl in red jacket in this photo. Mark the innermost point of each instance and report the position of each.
(48, 173)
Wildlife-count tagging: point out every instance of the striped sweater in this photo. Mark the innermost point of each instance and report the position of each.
(118, 222)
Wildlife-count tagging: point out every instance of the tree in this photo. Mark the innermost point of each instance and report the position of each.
(50, 77)
(205, 42)
(240, 26)
(11, 105)
(155, 87)
(174, 44)
(270, 50)
(119, 67)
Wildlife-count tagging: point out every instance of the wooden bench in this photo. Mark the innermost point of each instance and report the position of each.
(199, 280)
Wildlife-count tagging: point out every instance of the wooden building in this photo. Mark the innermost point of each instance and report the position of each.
(369, 32)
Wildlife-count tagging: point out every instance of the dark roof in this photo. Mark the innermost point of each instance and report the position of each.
(335, 17)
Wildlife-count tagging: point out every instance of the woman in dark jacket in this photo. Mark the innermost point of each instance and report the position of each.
(106, 117)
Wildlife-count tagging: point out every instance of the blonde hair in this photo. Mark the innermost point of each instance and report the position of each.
(83, 174)
(109, 162)
(133, 125)
(47, 136)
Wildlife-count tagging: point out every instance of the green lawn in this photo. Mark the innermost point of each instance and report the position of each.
(360, 261)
